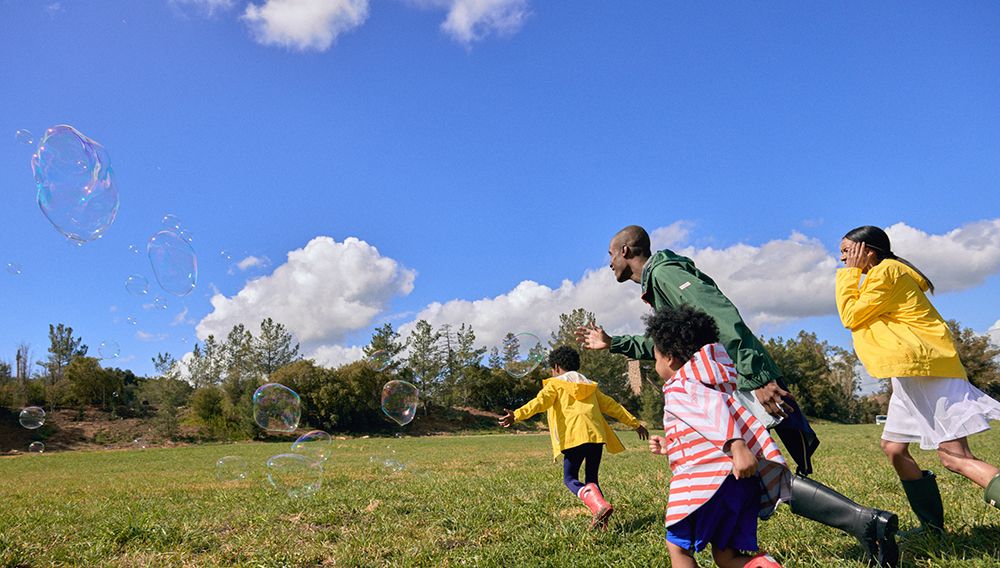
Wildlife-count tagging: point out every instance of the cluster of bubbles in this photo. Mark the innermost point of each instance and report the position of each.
(523, 353)
(75, 183)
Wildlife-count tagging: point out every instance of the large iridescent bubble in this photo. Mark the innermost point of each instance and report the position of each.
(295, 474)
(76, 189)
(522, 353)
(276, 408)
(399, 401)
(32, 417)
(174, 262)
(315, 445)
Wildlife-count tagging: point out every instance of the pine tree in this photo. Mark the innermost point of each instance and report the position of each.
(274, 348)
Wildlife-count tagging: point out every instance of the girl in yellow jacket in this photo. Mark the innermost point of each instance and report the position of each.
(898, 335)
(575, 410)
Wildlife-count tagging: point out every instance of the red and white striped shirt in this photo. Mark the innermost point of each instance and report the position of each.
(700, 414)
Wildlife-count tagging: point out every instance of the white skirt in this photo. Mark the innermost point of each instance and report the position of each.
(931, 410)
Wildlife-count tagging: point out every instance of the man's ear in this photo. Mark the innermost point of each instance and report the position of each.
(626, 251)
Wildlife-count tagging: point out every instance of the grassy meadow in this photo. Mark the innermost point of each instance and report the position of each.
(489, 500)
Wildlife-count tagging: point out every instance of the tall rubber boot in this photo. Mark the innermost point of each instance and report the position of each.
(600, 509)
(874, 529)
(992, 493)
(925, 500)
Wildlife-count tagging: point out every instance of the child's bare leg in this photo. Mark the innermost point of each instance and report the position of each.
(680, 557)
(957, 457)
(729, 558)
(899, 456)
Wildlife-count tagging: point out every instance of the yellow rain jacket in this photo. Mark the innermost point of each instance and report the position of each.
(896, 330)
(575, 411)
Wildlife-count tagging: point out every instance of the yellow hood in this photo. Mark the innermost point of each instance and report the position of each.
(574, 384)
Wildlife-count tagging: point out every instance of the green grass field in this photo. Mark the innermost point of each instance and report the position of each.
(491, 500)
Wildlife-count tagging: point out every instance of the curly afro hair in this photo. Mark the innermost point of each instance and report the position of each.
(681, 331)
(567, 358)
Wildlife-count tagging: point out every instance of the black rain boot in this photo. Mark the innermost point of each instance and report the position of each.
(925, 500)
(874, 529)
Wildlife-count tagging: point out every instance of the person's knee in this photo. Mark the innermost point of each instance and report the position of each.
(953, 462)
(893, 450)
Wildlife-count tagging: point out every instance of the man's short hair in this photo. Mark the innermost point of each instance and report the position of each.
(565, 357)
(681, 331)
(636, 238)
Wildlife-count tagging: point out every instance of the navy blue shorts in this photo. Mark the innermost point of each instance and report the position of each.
(727, 520)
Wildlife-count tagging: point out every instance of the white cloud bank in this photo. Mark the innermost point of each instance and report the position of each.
(324, 291)
(327, 289)
(304, 25)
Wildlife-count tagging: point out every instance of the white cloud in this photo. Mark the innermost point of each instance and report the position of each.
(304, 25)
(994, 333)
(146, 336)
(336, 355)
(181, 318)
(957, 260)
(671, 235)
(54, 8)
(535, 308)
(473, 20)
(324, 291)
(258, 262)
(208, 8)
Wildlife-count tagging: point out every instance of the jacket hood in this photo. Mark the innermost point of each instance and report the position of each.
(665, 257)
(920, 280)
(575, 384)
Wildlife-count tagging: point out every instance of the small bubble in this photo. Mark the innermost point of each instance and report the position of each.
(14, 269)
(134, 249)
(171, 222)
(24, 137)
(131, 320)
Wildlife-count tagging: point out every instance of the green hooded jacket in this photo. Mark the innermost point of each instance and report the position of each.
(669, 279)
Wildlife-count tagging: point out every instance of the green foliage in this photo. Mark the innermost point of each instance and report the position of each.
(63, 348)
(979, 357)
(609, 370)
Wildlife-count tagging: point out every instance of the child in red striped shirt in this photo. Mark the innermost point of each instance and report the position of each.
(726, 469)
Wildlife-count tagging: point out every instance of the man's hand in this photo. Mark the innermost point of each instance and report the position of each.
(642, 432)
(771, 395)
(507, 419)
(658, 445)
(593, 337)
(744, 462)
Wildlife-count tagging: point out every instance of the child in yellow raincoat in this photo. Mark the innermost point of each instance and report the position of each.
(575, 410)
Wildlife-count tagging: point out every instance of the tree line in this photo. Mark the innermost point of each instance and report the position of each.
(212, 389)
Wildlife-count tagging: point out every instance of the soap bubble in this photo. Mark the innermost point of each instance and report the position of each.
(315, 445)
(186, 235)
(36, 447)
(171, 222)
(231, 468)
(14, 269)
(131, 320)
(159, 303)
(137, 285)
(32, 417)
(108, 349)
(174, 263)
(24, 137)
(225, 255)
(522, 353)
(276, 408)
(295, 474)
(76, 189)
(399, 401)
(379, 360)
(134, 249)
(139, 443)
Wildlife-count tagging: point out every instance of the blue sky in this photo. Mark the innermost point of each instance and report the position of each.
(468, 160)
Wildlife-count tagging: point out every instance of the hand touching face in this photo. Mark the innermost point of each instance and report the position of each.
(857, 255)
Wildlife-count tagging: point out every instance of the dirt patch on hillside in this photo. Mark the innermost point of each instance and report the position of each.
(67, 429)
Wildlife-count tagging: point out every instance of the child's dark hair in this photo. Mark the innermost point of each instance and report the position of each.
(565, 357)
(681, 331)
(877, 240)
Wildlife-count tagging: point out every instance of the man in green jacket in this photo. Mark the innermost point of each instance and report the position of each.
(669, 279)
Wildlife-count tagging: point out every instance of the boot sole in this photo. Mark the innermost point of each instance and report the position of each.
(888, 549)
(601, 518)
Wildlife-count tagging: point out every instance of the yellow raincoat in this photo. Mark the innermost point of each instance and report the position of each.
(575, 411)
(896, 330)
